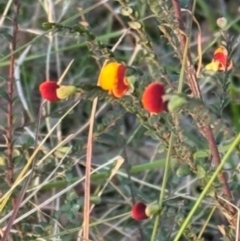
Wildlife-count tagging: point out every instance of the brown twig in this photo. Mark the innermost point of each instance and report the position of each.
(193, 84)
(10, 88)
(87, 184)
(25, 185)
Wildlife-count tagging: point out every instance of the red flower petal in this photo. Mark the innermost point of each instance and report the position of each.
(221, 56)
(48, 90)
(152, 98)
(121, 85)
(138, 211)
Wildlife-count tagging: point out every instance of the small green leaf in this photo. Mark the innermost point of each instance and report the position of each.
(91, 36)
(201, 172)
(211, 192)
(95, 199)
(63, 149)
(66, 207)
(38, 230)
(175, 102)
(80, 29)
(183, 170)
(143, 42)
(126, 11)
(171, 212)
(161, 148)
(135, 25)
(131, 80)
(149, 57)
(26, 227)
(70, 216)
(75, 208)
(48, 25)
(69, 177)
(16, 153)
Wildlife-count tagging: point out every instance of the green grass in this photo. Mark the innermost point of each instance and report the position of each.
(161, 159)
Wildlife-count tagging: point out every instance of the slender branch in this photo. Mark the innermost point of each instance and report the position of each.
(127, 167)
(10, 89)
(193, 84)
(164, 184)
(170, 147)
(25, 185)
(87, 184)
(187, 219)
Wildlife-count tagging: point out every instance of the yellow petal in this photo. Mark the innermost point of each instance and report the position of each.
(108, 76)
(64, 91)
(213, 66)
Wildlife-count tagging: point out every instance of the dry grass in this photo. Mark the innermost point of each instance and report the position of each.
(109, 153)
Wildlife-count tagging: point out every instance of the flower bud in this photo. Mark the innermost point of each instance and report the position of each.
(152, 98)
(64, 91)
(48, 90)
(52, 91)
(222, 23)
(138, 211)
(152, 209)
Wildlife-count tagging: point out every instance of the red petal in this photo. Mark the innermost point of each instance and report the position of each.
(221, 58)
(48, 90)
(121, 85)
(152, 98)
(138, 211)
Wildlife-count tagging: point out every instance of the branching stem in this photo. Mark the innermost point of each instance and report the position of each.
(193, 84)
(10, 89)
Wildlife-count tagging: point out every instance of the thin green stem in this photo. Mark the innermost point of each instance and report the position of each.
(206, 222)
(207, 187)
(165, 177)
(164, 184)
(101, 177)
(184, 62)
(171, 141)
(93, 224)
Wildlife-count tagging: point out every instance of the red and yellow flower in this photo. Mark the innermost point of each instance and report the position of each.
(220, 61)
(141, 211)
(53, 92)
(112, 78)
(152, 98)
